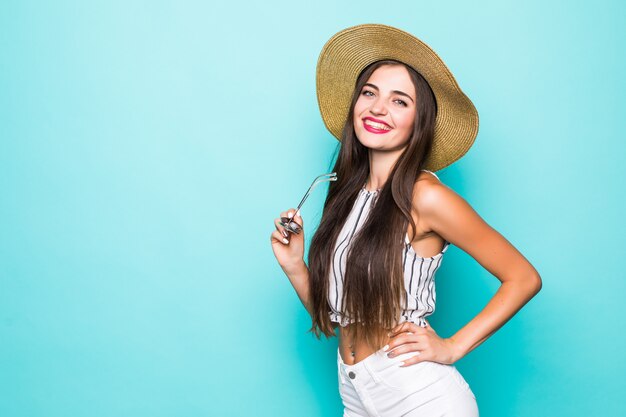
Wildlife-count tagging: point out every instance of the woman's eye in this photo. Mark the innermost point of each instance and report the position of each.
(401, 102)
(367, 93)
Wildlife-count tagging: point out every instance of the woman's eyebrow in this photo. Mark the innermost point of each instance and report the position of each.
(398, 92)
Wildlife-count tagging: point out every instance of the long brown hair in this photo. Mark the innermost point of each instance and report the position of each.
(373, 283)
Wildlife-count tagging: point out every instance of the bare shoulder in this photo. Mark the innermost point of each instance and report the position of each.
(429, 192)
(431, 196)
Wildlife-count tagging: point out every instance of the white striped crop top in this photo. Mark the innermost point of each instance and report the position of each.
(419, 272)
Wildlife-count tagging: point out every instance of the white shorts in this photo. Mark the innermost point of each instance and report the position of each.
(378, 387)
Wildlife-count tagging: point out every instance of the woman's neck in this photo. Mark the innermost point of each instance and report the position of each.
(381, 164)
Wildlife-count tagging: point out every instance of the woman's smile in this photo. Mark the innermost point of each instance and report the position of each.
(375, 126)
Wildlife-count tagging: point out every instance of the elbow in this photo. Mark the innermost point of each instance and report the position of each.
(532, 281)
(529, 284)
(535, 284)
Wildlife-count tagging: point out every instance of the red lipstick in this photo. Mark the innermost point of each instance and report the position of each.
(372, 129)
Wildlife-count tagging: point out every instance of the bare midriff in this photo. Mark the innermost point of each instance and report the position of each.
(353, 351)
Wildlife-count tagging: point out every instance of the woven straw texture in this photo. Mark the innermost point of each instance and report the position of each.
(348, 52)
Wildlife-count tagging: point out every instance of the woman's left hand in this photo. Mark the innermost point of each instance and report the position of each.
(409, 337)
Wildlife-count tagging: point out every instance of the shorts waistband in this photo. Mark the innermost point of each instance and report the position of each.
(372, 364)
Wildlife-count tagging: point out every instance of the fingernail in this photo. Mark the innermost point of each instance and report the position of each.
(401, 363)
(284, 233)
(386, 348)
(290, 214)
(285, 241)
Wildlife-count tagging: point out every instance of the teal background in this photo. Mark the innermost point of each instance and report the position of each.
(146, 148)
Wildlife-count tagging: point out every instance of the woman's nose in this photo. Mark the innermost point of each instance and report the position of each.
(378, 107)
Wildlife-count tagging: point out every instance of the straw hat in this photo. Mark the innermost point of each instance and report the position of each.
(349, 51)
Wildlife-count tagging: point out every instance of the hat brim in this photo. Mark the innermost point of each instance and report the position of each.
(348, 52)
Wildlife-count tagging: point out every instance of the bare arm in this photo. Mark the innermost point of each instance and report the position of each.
(289, 251)
(299, 277)
(451, 217)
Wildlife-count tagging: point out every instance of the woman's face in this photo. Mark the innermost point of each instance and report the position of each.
(384, 113)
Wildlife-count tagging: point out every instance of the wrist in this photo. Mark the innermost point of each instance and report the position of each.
(457, 350)
(295, 268)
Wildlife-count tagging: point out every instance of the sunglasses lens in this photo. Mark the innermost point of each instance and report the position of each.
(291, 226)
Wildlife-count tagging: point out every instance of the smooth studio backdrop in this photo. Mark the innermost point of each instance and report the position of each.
(146, 148)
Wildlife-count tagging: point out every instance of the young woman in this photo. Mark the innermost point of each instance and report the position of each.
(387, 222)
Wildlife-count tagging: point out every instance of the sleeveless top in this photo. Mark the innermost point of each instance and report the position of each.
(419, 272)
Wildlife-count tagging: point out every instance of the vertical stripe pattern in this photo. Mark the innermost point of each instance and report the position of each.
(419, 272)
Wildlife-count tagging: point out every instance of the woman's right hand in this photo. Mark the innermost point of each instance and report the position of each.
(290, 254)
